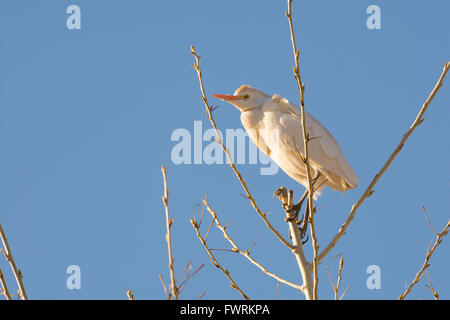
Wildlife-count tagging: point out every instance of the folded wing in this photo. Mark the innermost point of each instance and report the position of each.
(324, 152)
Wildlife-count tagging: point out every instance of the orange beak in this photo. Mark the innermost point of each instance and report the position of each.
(227, 97)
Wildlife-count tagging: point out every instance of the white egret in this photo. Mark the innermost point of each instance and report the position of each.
(274, 125)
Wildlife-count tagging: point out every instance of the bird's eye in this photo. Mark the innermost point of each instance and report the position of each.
(246, 96)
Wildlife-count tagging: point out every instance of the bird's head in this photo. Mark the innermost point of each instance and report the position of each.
(245, 98)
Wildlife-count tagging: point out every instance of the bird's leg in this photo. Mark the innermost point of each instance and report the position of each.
(304, 222)
(298, 206)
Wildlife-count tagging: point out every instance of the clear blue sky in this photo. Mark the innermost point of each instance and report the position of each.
(86, 118)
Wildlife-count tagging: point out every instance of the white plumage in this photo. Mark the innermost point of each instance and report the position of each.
(274, 125)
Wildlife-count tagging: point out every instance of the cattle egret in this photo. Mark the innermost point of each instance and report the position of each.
(274, 125)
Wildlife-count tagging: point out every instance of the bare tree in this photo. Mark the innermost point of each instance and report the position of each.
(308, 269)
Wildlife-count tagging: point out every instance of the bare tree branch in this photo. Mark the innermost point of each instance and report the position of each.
(216, 263)
(343, 294)
(430, 286)
(338, 283)
(301, 90)
(428, 221)
(188, 275)
(286, 199)
(426, 264)
(246, 253)
(276, 291)
(5, 290)
(173, 285)
(168, 295)
(9, 257)
(369, 191)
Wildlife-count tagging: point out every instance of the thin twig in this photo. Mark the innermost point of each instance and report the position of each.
(209, 110)
(331, 258)
(164, 287)
(201, 295)
(305, 158)
(276, 292)
(253, 245)
(246, 253)
(369, 191)
(130, 295)
(209, 229)
(169, 221)
(428, 221)
(216, 263)
(189, 276)
(331, 280)
(343, 294)
(201, 217)
(9, 257)
(186, 269)
(336, 286)
(5, 290)
(195, 211)
(226, 250)
(435, 293)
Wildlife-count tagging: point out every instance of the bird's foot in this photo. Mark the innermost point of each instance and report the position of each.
(304, 224)
(292, 215)
(305, 241)
(291, 211)
(298, 206)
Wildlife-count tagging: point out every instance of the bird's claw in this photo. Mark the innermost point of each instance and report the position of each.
(293, 212)
(305, 241)
(303, 228)
(296, 211)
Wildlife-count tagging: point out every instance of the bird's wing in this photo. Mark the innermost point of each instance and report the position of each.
(323, 149)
